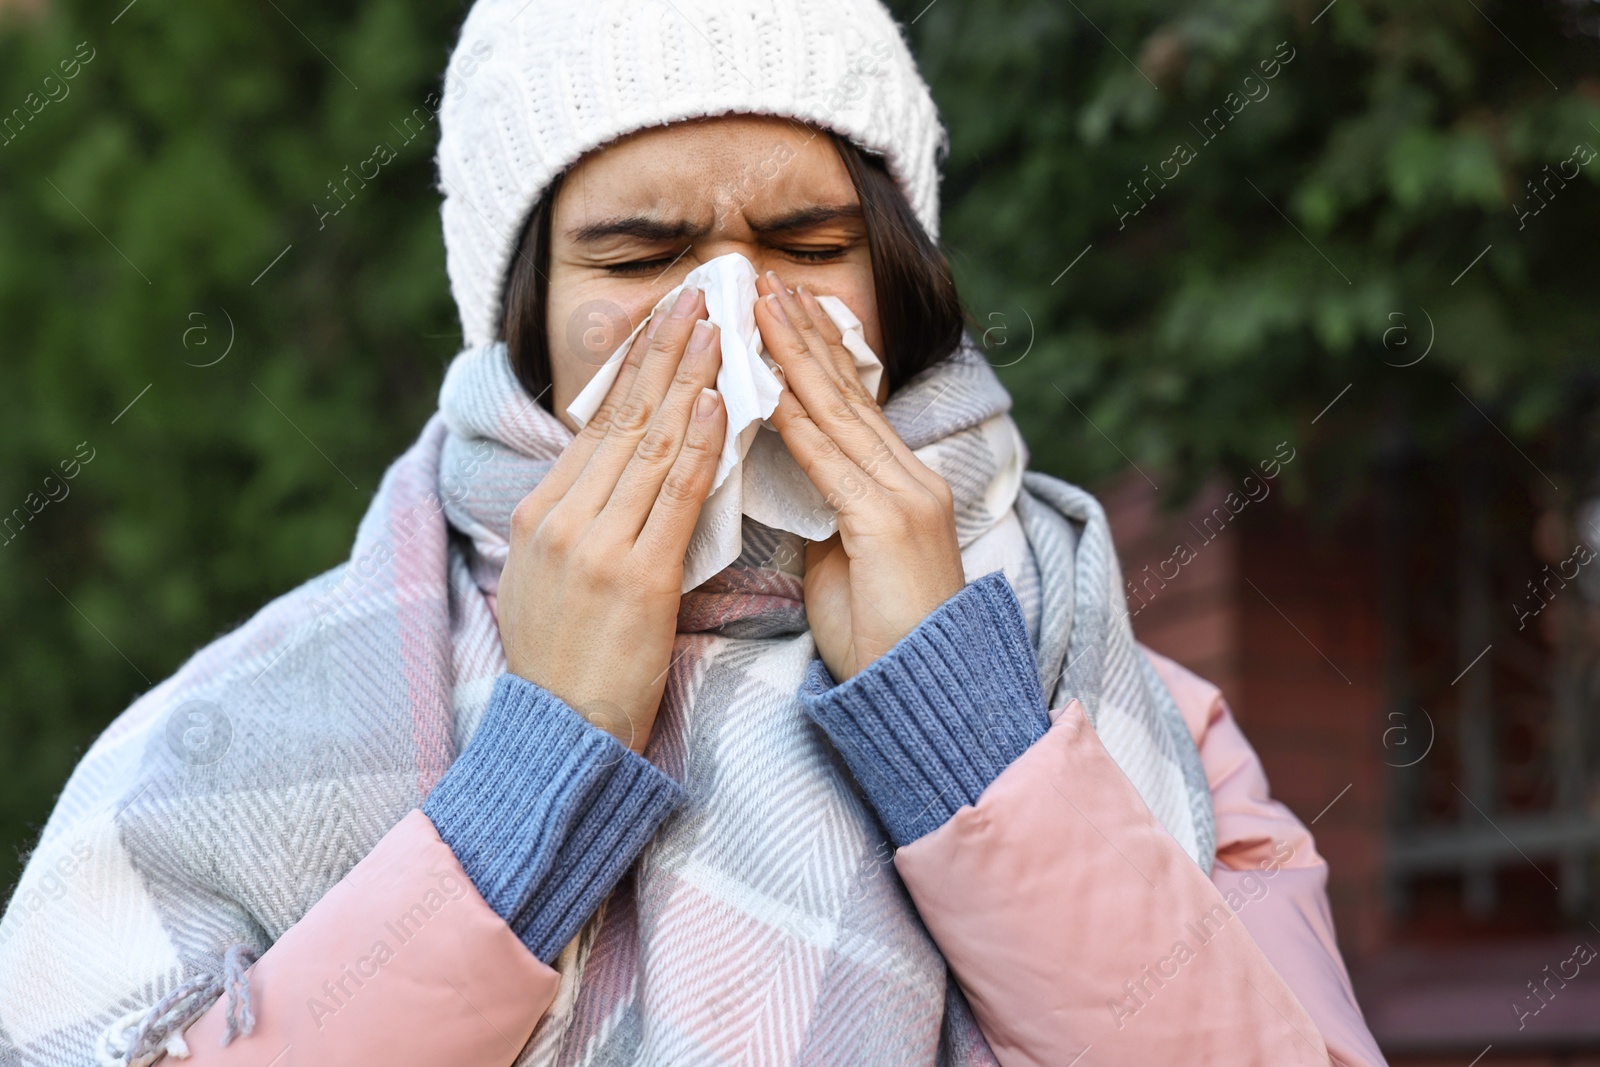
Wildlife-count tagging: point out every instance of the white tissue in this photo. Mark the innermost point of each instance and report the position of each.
(756, 475)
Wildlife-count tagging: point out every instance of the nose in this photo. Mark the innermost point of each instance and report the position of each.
(710, 249)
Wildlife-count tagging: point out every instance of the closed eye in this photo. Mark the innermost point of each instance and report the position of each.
(657, 264)
(815, 255)
(643, 266)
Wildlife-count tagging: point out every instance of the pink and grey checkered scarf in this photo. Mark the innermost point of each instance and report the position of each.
(763, 925)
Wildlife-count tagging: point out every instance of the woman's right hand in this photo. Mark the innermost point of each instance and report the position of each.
(588, 600)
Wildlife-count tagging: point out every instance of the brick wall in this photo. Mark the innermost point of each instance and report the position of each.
(1283, 619)
(1194, 616)
(1283, 614)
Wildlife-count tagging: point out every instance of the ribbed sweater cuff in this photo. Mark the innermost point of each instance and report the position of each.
(546, 812)
(928, 726)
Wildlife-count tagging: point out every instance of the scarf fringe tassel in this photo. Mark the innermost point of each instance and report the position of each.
(159, 1030)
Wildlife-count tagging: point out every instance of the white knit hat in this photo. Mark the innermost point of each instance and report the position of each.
(535, 84)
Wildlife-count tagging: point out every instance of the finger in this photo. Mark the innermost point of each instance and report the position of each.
(826, 405)
(626, 422)
(840, 479)
(831, 355)
(800, 318)
(641, 481)
(554, 485)
(832, 340)
(666, 533)
(869, 408)
(867, 405)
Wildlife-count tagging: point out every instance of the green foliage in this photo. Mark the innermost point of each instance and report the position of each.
(138, 212)
(1323, 221)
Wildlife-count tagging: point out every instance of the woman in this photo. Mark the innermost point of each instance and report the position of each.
(498, 790)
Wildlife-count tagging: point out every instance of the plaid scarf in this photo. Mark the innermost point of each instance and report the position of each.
(763, 924)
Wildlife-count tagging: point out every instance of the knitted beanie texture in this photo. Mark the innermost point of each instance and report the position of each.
(533, 85)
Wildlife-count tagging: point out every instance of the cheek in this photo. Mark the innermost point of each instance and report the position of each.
(862, 298)
(854, 287)
(585, 323)
(859, 296)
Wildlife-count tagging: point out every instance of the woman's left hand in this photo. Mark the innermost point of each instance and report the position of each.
(895, 557)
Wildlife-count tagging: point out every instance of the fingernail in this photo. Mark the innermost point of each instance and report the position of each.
(682, 306)
(775, 281)
(706, 406)
(701, 336)
(655, 324)
(777, 309)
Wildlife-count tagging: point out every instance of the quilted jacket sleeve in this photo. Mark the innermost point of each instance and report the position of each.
(435, 947)
(402, 962)
(1077, 927)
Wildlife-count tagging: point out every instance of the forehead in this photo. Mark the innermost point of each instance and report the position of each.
(701, 171)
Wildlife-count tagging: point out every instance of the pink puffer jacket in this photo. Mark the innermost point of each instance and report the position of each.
(1078, 929)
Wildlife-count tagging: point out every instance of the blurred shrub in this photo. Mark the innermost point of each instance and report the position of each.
(138, 211)
(170, 197)
(1278, 200)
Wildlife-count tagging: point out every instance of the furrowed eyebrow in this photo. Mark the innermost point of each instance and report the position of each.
(640, 226)
(646, 228)
(806, 217)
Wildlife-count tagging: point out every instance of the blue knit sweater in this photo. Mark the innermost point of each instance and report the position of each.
(546, 812)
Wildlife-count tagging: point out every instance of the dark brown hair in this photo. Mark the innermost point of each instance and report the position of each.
(918, 308)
